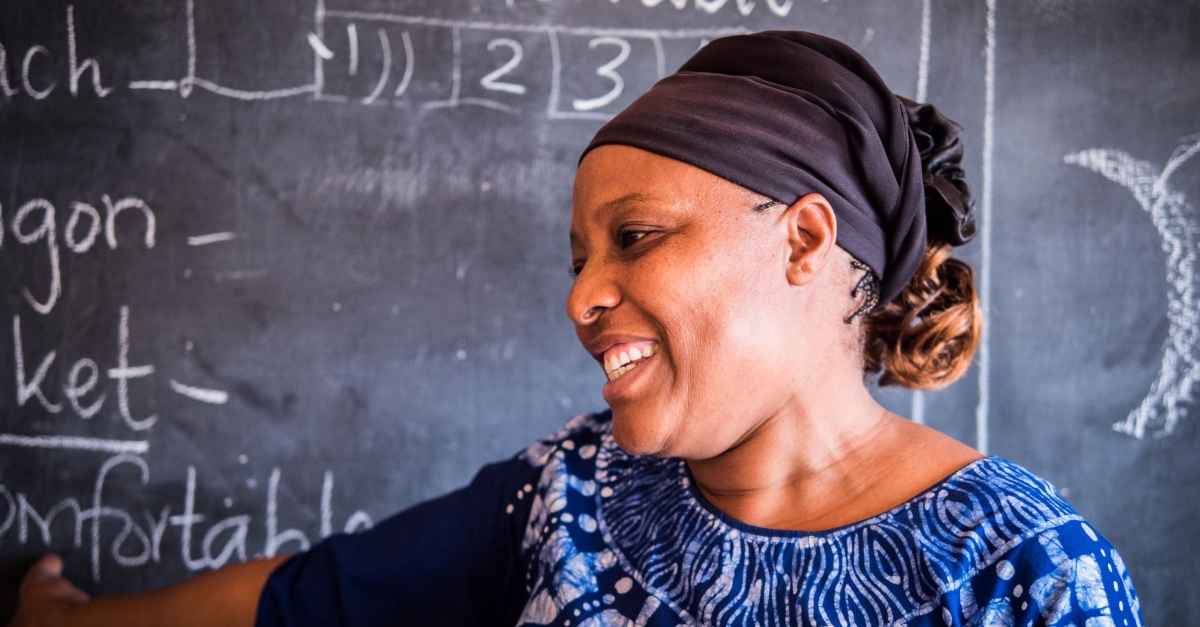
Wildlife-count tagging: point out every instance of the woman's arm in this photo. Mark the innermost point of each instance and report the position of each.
(224, 598)
(450, 561)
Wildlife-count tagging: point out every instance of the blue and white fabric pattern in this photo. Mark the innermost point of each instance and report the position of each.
(614, 539)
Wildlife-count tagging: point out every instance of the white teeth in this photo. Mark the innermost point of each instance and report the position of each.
(616, 365)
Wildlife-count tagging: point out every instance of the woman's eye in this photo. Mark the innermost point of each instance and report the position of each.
(575, 269)
(629, 238)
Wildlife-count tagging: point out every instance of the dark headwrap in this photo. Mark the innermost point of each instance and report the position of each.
(786, 114)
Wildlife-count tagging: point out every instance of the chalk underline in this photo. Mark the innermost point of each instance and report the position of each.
(100, 445)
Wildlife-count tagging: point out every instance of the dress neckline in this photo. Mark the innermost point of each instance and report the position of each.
(698, 500)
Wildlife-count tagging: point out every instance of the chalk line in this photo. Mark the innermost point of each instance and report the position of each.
(409, 65)
(985, 219)
(211, 238)
(159, 85)
(586, 31)
(918, 397)
(189, 81)
(204, 395)
(238, 275)
(319, 47)
(660, 57)
(327, 505)
(479, 102)
(318, 65)
(137, 447)
(240, 94)
(386, 46)
(918, 407)
(923, 64)
(455, 74)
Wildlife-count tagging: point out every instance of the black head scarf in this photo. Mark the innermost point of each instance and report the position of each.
(786, 114)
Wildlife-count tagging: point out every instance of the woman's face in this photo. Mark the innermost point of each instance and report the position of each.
(680, 276)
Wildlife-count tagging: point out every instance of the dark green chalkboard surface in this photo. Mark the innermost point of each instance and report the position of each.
(274, 270)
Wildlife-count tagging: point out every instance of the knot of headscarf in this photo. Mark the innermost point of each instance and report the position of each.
(786, 114)
(948, 199)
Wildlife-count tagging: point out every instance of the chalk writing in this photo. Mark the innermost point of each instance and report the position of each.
(743, 7)
(492, 79)
(35, 223)
(211, 238)
(81, 394)
(29, 386)
(616, 47)
(609, 71)
(191, 80)
(348, 62)
(75, 68)
(204, 395)
(38, 59)
(136, 538)
(1175, 219)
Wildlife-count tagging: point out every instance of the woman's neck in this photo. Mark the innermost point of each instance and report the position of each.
(825, 460)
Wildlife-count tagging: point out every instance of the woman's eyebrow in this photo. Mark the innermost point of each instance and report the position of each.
(635, 198)
(627, 201)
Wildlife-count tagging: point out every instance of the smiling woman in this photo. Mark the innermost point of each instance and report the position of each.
(750, 239)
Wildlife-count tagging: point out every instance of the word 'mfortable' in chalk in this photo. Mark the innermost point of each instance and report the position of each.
(136, 539)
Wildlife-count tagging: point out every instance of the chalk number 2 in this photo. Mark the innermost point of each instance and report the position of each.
(492, 80)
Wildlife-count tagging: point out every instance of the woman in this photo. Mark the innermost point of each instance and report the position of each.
(749, 238)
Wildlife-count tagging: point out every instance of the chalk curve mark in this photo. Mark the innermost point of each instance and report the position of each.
(1172, 392)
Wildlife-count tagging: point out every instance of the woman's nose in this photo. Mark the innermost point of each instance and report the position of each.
(592, 294)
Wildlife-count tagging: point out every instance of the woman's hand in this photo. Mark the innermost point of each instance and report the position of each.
(46, 597)
(223, 598)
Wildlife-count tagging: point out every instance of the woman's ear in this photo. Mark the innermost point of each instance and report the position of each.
(811, 237)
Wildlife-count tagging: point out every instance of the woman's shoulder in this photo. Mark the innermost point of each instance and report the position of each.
(1022, 549)
(992, 486)
(1007, 542)
(984, 510)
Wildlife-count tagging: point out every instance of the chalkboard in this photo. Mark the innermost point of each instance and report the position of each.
(276, 270)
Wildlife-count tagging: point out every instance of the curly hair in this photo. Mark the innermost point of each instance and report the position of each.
(926, 337)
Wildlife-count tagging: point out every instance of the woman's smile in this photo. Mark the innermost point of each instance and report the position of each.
(631, 379)
(622, 358)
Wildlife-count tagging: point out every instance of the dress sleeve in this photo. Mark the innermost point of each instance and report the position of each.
(451, 561)
(1065, 575)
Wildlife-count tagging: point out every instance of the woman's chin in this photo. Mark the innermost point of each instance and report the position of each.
(638, 436)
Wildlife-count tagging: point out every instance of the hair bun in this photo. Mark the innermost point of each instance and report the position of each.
(948, 199)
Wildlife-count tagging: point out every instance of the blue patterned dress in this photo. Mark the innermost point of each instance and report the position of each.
(576, 533)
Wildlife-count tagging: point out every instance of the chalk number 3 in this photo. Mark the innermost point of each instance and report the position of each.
(609, 71)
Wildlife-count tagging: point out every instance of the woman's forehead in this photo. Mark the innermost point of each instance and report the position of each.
(617, 177)
(621, 170)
